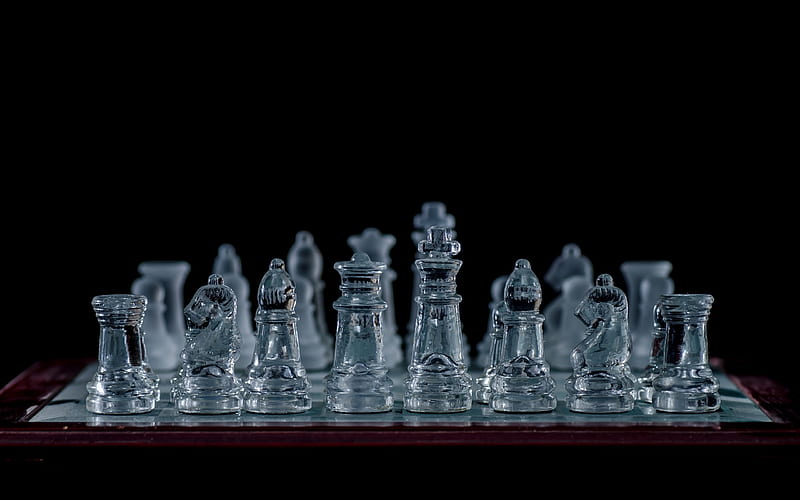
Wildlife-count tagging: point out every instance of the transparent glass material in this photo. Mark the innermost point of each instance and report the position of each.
(228, 265)
(570, 274)
(121, 384)
(205, 382)
(686, 383)
(653, 368)
(484, 346)
(377, 246)
(522, 381)
(162, 350)
(483, 385)
(276, 378)
(433, 213)
(304, 264)
(437, 379)
(601, 380)
(358, 381)
(645, 282)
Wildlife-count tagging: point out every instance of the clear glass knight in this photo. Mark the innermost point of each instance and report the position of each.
(522, 382)
(437, 380)
(205, 382)
(601, 380)
(358, 381)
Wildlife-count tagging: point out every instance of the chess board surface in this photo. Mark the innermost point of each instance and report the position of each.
(68, 407)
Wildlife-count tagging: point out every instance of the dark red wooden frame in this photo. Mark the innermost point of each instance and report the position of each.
(36, 386)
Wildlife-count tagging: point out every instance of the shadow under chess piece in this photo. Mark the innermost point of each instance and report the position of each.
(276, 379)
(206, 382)
(601, 380)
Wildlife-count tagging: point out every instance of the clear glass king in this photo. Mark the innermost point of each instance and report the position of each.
(437, 379)
(358, 381)
(205, 382)
(276, 379)
(522, 382)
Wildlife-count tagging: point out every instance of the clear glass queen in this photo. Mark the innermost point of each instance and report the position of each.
(522, 382)
(276, 379)
(121, 383)
(358, 381)
(437, 379)
(686, 383)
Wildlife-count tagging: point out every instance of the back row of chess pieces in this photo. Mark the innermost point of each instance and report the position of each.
(516, 378)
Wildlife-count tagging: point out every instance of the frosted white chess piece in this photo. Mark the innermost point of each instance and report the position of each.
(304, 261)
(162, 350)
(229, 266)
(172, 275)
(316, 355)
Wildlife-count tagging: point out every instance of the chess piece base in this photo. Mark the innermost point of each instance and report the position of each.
(208, 405)
(601, 403)
(522, 403)
(437, 393)
(119, 406)
(437, 403)
(645, 393)
(681, 402)
(359, 402)
(483, 390)
(279, 404)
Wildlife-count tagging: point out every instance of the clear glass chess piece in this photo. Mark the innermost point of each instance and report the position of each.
(601, 380)
(485, 344)
(437, 379)
(121, 385)
(172, 275)
(377, 246)
(522, 382)
(686, 383)
(358, 381)
(228, 264)
(433, 213)
(276, 379)
(570, 274)
(205, 382)
(162, 350)
(305, 262)
(653, 368)
(645, 282)
(483, 385)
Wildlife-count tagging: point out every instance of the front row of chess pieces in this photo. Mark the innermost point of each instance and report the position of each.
(516, 380)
